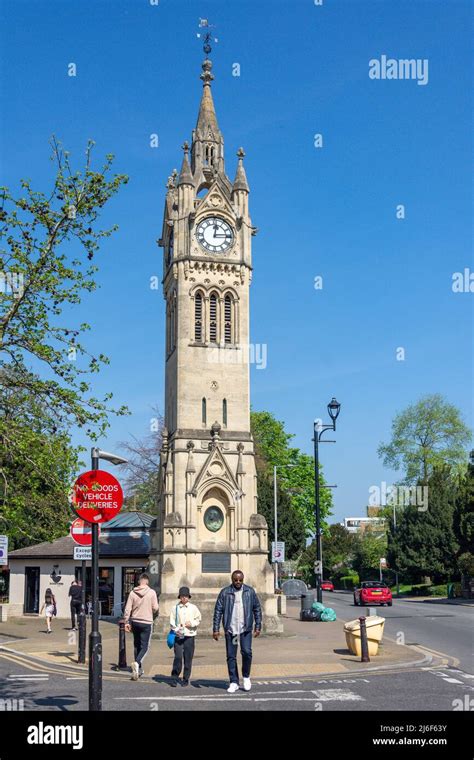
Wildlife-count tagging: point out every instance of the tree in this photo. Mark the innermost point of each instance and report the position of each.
(424, 542)
(426, 435)
(40, 279)
(143, 467)
(272, 447)
(291, 527)
(37, 467)
(463, 521)
(368, 551)
(338, 546)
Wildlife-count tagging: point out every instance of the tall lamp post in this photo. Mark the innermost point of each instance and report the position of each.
(275, 503)
(334, 408)
(95, 638)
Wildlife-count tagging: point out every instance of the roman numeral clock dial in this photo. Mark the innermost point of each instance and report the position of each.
(214, 235)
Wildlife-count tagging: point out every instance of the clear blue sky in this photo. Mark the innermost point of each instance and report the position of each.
(329, 211)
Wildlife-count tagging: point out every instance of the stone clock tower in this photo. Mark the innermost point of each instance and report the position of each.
(208, 522)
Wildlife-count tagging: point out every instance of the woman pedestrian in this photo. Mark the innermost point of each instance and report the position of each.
(49, 607)
(184, 620)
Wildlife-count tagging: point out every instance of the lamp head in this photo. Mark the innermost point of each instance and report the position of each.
(334, 408)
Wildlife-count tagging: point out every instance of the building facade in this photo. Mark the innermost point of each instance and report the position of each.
(208, 522)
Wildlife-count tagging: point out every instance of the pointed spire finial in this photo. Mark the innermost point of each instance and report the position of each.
(240, 182)
(185, 147)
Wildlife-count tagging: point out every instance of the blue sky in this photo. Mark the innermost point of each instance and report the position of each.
(328, 211)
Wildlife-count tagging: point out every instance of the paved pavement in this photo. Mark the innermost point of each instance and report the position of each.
(305, 649)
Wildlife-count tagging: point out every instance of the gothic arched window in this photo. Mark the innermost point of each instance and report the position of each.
(213, 318)
(228, 308)
(224, 412)
(198, 317)
(204, 411)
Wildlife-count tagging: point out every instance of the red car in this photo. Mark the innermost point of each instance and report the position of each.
(372, 592)
(327, 586)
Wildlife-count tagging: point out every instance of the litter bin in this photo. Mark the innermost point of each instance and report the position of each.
(306, 605)
(374, 625)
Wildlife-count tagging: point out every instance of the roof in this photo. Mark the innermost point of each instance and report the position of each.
(110, 545)
(129, 520)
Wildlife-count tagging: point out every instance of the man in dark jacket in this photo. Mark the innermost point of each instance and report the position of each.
(238, 608)
(75, 592)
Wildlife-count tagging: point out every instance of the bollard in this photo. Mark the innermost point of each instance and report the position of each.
(82, 636)
(364, 657)
(122, 658)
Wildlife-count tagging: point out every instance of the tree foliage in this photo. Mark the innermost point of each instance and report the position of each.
(295, 473)
(428, 434)
(424, 542)
(42, 278)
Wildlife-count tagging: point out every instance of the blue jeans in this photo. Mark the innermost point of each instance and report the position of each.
(246, 651)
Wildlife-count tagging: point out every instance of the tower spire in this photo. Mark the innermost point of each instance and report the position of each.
(207, 152)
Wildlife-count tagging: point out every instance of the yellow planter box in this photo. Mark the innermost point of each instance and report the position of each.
(374, 625)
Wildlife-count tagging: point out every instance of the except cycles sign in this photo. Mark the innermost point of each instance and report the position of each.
(97, 496)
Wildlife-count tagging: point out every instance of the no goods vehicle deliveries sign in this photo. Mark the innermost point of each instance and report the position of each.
(97, 496)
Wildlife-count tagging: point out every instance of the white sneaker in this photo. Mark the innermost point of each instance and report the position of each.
(134, 671)
(247, 684)
(233, 688)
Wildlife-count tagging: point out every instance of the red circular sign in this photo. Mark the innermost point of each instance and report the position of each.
(81, 532)
(97, 496)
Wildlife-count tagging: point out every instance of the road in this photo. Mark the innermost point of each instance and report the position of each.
(442, 628)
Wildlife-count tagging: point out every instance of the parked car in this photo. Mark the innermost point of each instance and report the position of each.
(372, 592)
(327, 586)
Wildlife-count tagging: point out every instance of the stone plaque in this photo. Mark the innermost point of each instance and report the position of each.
(216, 562)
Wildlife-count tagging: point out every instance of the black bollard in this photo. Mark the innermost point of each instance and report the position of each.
(364, 646)
(122, 658)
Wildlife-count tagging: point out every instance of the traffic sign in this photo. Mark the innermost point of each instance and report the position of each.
(278, 551)
(3, 550)
(81, 532)
(318, 567)
(97, 496)
(83, 552)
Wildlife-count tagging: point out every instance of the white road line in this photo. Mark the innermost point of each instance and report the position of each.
(452, 680)
(77, 678)
(319, 695)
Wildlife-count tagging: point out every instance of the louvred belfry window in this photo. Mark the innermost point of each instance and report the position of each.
(213, 318)
(198, 317)
(228, 319)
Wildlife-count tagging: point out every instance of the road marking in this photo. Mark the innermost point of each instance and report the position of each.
(76, 678)
(38, 677)
(319, 695)
(452, 680)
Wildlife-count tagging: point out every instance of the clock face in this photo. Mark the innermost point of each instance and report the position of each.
(214, 234)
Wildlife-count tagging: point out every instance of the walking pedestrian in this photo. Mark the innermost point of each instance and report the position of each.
(140, 611)
(184, 620)
(238, 607)
(75, 592)
(49, 607)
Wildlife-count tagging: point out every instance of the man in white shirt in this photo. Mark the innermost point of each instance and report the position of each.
(239, 610)
(184, 620)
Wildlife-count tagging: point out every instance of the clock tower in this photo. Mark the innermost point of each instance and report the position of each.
(208, 522)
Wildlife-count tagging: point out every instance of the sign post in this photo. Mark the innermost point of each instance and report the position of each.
(97, 497)
(81, 534)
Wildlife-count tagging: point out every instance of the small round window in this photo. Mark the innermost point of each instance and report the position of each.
(213, 519)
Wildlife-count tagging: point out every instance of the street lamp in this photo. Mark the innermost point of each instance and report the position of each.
(95, 638)
(334, 408)
(275, 500)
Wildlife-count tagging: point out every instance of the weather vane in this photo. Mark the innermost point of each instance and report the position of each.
(207, 36)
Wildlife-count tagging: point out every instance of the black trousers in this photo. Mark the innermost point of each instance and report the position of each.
(75, 610)
(183, 648)
(245, 650)
(141, 640)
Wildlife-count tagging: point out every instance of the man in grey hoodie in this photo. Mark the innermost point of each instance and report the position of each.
(140, 610)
